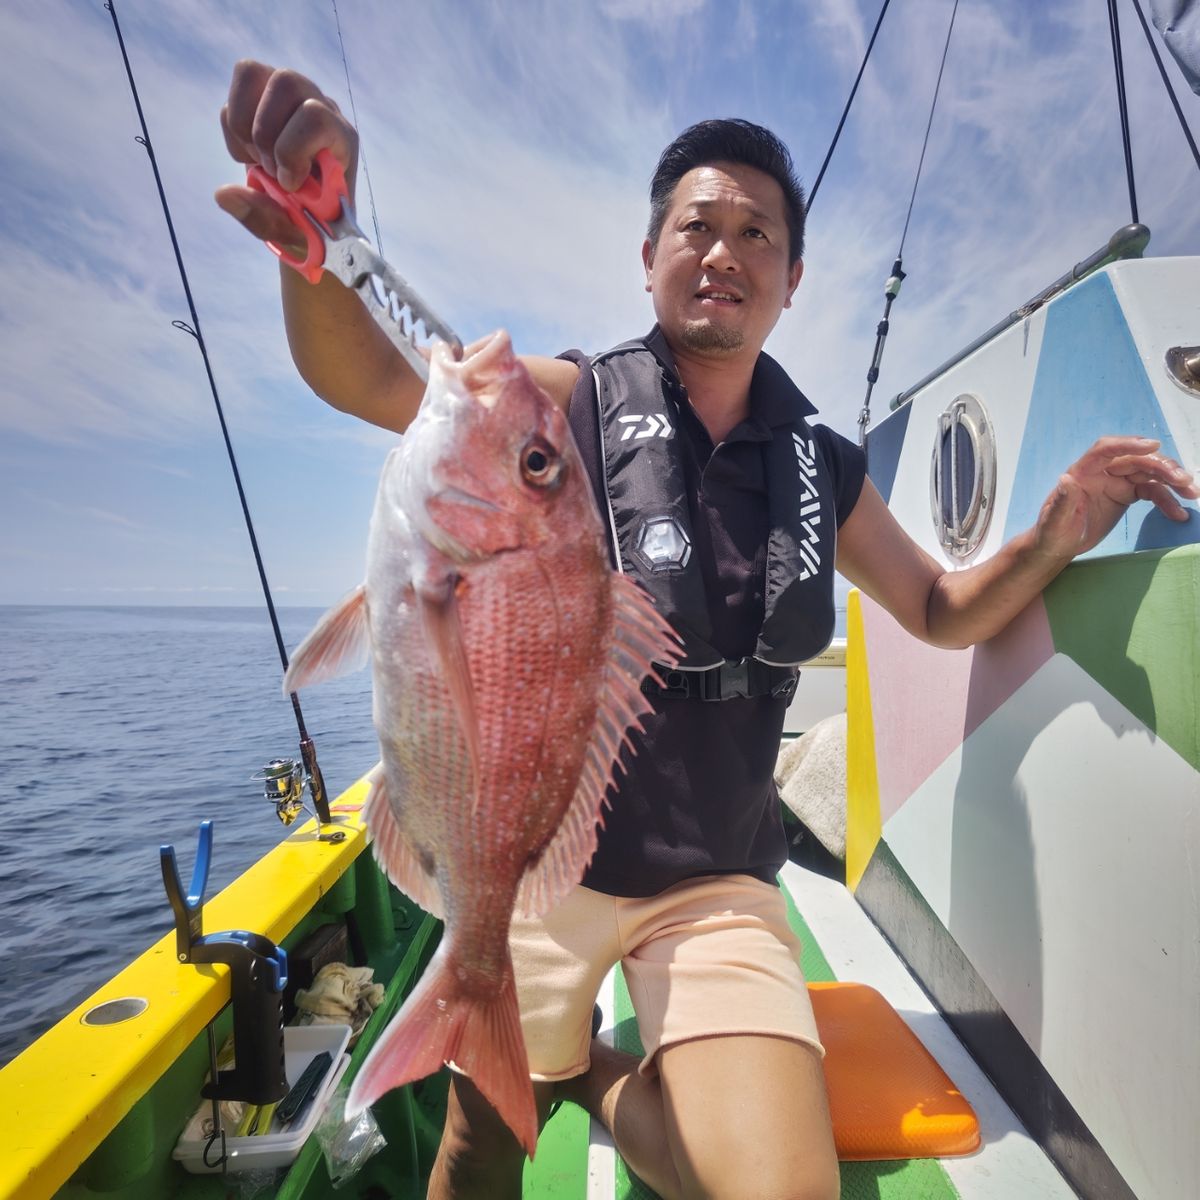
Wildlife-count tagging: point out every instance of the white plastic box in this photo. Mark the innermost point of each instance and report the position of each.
(301, 1044)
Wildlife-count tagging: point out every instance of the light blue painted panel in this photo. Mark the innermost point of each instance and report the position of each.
(1090, 381)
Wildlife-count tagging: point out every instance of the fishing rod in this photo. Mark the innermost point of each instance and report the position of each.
(283, 781)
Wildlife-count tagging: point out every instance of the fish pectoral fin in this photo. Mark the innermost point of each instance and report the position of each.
(443, 629)
(394, 852)
(640, 637)
(339, 643)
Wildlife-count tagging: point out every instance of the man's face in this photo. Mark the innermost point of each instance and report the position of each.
(721, 272)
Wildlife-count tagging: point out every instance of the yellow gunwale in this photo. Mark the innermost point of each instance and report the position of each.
(66, 1092)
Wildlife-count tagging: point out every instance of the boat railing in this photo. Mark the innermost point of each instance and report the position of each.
(1128, 242)
(71, 1088)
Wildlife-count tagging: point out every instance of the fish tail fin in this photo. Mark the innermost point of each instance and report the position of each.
(493, 1056)
(480, 1035)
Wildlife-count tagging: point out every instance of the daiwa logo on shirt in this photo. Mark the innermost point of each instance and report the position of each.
(639, 425)
(810, 507)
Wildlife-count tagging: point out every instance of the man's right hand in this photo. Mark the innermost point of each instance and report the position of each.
(279, 120)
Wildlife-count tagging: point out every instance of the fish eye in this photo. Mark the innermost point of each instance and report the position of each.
(540, 464)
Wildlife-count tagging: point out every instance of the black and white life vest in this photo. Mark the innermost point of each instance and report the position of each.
(637, 406)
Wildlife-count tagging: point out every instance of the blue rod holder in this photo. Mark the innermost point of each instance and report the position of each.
(188, 909)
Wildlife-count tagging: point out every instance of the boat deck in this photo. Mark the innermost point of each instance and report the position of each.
(75, 1094)
(840, 943)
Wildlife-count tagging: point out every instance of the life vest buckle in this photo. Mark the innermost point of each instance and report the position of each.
(734, 678)
(730, 679)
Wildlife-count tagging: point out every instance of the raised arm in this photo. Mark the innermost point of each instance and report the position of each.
(958, 608)
(280, 120)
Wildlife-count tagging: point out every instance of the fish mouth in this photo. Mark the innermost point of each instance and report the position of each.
(485, 366)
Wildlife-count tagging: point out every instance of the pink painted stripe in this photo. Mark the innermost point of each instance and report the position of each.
(925, 701)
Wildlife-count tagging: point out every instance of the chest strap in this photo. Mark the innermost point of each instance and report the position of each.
(746, 677)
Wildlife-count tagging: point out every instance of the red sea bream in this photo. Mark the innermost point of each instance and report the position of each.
(508, 659)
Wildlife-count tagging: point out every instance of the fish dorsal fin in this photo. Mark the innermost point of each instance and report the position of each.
(338, 644)
(641, 637)
(393, 850)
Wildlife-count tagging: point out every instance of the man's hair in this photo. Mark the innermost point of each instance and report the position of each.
(730, 140)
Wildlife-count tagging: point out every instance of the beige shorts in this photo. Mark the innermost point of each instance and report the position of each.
(707, 957)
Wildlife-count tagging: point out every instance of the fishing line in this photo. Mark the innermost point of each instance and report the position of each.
(928, 126)
(1114, 30)
(307, 748)
(362, 150)
(1187, 133)
(892, 287)
(837, 133)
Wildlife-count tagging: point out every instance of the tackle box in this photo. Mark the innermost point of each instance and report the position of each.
(301, 1044)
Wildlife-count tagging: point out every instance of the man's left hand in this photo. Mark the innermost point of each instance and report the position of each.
(1092, 495)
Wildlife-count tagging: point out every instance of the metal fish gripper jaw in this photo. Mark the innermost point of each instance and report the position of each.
(320, 210)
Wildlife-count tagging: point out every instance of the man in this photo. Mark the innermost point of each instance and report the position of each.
(733, 526)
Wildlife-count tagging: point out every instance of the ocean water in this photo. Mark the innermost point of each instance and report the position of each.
(122, 729)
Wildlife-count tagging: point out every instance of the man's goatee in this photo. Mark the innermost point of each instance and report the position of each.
(705, 338)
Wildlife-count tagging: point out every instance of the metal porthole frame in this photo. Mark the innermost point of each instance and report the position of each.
(961, 535)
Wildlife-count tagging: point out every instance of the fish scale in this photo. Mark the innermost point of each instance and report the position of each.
(508, 659)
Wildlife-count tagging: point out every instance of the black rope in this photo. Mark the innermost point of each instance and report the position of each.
(892, 288)
(1114, 29)
(306, 745)
(362, 150)
(1187, 133)
(928, 126)
(837, 133)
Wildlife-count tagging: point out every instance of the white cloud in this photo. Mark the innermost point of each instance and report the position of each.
(510, 148)
(652, 12)
(517, 213)
(100, 514)
(1023, 178)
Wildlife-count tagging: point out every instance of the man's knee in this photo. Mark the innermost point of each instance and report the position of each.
(823, 1182)
(470, 1154)
(819, 1181)
(477, 1148)
(763, 1132)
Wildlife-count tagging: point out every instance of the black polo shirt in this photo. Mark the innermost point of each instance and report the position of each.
(699, 797)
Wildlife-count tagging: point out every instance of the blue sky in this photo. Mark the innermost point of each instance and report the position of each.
(509, 146)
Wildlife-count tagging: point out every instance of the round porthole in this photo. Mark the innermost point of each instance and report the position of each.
(962, 482)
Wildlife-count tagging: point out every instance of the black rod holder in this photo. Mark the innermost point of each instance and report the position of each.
(258, 975)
